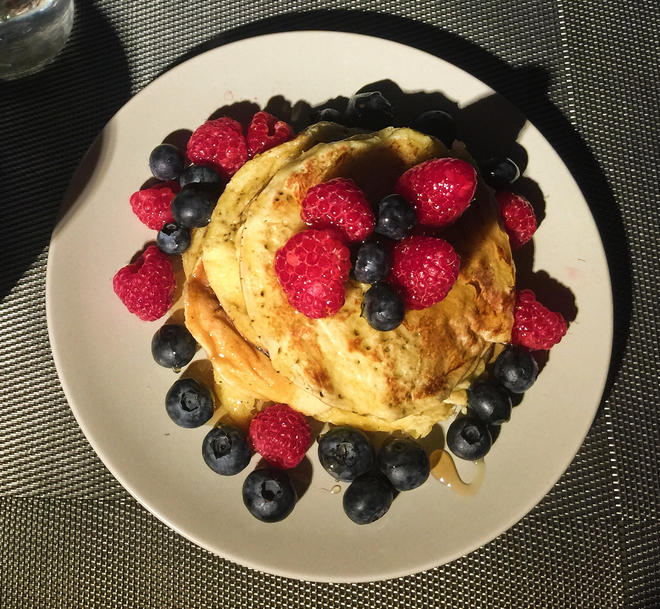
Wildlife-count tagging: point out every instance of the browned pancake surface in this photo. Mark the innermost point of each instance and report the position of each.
(341, 359)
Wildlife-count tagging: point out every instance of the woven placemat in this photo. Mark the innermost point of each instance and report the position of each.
(584, 71)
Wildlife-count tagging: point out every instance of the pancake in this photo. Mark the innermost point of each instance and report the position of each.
(388, 377)
(245, 379)
(216, 241)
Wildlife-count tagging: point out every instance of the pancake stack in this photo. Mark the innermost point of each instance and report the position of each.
(339, 369)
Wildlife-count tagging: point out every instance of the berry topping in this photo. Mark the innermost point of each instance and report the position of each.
(440, 190)
(165, 162)
(327, 114)
(372, 263)
(395, 217)
(341, 204)
(469, 438)
(281, 435)
(345, 453)
(368, 498)
(438, 124)
(311, 268)
(518, 218)
(266, 131)
(199, 174)
(220, 144)
(404, 463)
(147, 285)
(189, 403)
(173, 346)
(489, 402)
(370, 110)
(194, 205)
(425, 268)
(382, 307)
(516, 369)
(535, 326)
(316, 299)
(173, 239)
(269, 495)
(500, 171)
(225, 450)
(152, 205)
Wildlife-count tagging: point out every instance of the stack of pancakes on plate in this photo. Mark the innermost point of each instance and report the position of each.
(338, 369)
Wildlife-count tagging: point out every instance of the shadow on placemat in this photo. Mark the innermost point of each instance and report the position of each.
(525, 88)
(54, 115)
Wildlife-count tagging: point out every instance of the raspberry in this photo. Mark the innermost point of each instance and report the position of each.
(518, 217)
(425, 269)
(318, 298)
(535, 326)
(152, 205)
(266, 131)
(219, 143)
(311, 268)
(147, 285)
(341, 204)
(440, 190)
(281, 435)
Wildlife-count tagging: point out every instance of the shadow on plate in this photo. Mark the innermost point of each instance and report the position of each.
(522, 92)
(523, 87)
(484, 140)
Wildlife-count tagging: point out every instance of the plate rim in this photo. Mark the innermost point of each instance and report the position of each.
(243, 560)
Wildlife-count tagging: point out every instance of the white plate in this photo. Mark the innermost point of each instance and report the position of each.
(117, 392)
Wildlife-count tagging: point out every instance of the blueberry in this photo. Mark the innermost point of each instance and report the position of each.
(500, 171)
(189, 403)
(327, 114)
(516, 369)
(368, 498)
(173, 239)
(396, 217)
(489, 402)
(372, 262)
(370, 110)
(345, 453)
(438, 124)
(173, 346)
(382, 307)
(198, 174)
(165, 162)
(404, 463)
(193, 206)
(225, 450)
(469, 438)
(268, 494)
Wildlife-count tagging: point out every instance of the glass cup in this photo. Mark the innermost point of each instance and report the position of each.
(32, 33)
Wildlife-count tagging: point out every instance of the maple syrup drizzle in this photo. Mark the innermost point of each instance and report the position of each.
(444, 469)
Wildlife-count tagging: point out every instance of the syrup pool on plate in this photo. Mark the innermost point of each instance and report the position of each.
(444, 469)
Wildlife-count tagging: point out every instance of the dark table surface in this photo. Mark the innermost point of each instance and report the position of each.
(584, 71)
